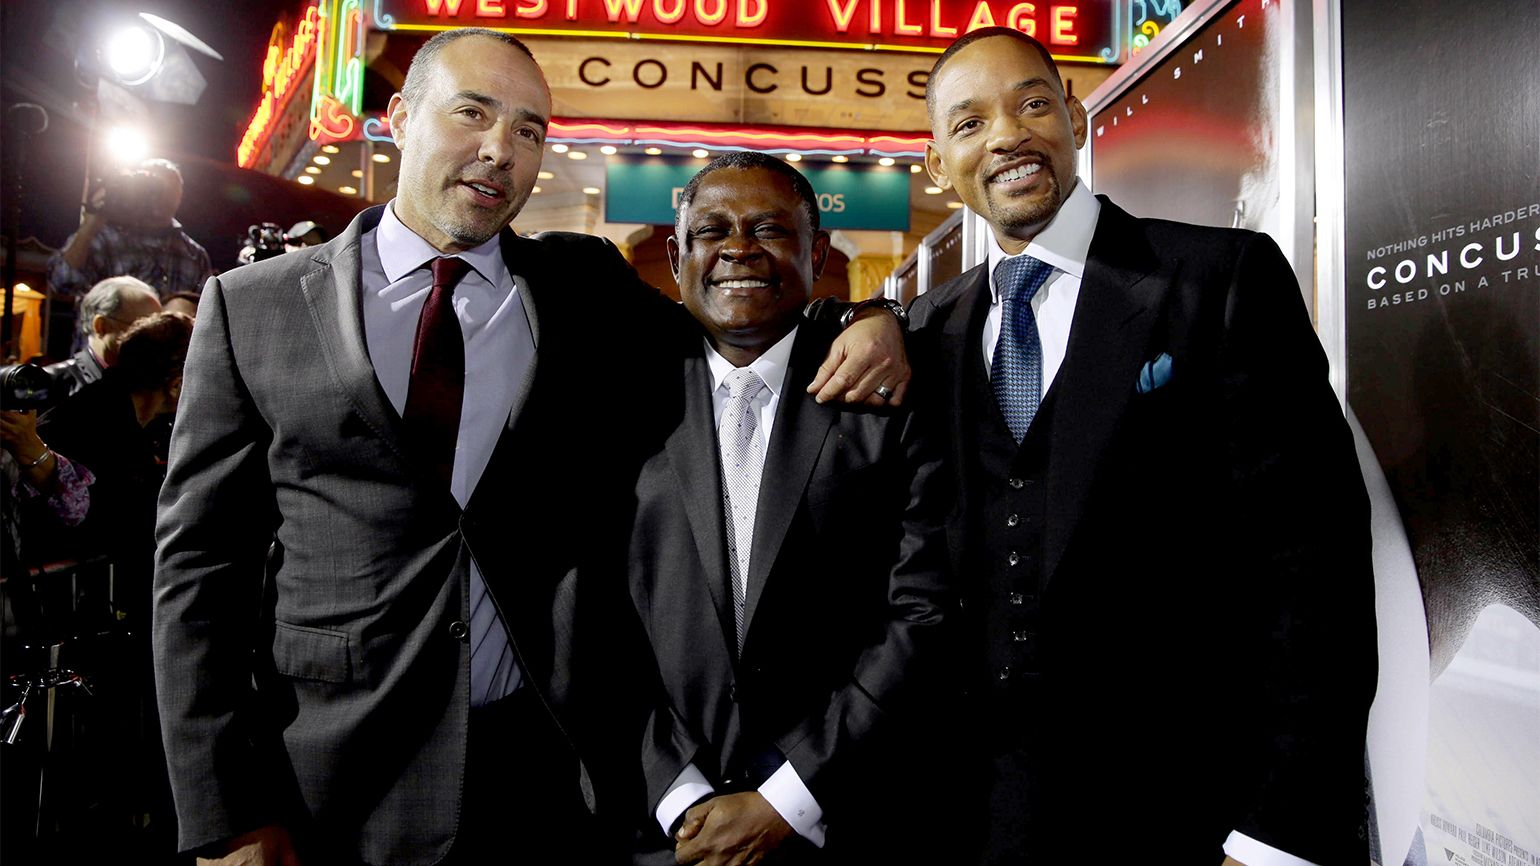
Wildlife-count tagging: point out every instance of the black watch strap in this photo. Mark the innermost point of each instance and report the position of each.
(892, 306)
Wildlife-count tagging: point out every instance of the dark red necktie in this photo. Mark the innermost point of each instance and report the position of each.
(432, 415)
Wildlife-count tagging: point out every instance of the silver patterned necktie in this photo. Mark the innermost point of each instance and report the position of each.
(1016, 372)
(743, 456)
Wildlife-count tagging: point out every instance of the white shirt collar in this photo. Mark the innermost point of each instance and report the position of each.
(1064, 243)
(402, 251)
(771, 366)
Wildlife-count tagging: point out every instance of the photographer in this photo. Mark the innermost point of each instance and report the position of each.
(106, 312)
(33, 472)
(130, 228)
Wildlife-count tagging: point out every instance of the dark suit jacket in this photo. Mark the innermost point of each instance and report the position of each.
(322, 685)
(1207, 641)
(846, 592)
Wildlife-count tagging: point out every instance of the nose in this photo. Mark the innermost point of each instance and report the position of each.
(741, 247)
(497, 147)
(1007, 132)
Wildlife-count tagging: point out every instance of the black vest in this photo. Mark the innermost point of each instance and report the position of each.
(1004, 562)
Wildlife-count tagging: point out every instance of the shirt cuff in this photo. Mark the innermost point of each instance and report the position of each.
(787, 794)
(688, 787)
(1253, 853)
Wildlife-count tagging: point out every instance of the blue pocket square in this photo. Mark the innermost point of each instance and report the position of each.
(1154, 374)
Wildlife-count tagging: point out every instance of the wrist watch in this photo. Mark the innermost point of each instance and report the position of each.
(892, 306)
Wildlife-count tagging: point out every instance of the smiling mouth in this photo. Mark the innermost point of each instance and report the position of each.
(1016, 173)
(483, 190)
(741, 283)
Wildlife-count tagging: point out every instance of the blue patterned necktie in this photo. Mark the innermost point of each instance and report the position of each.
(1017, 369)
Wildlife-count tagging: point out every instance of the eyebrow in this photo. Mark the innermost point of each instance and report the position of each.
(1024, 84)
(496, 105)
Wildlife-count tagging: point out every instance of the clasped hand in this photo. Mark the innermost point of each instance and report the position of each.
(731, 830)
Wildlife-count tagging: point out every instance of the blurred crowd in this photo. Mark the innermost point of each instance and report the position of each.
(85, 443)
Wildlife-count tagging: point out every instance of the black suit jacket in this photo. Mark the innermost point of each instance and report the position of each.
(1207, 643)
(320, 683)
(846, 590)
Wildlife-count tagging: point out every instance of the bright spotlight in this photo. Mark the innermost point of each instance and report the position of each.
(134, 54)
(125, 145)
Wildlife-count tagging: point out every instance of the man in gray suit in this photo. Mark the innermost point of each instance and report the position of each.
(370, 642)
(787, 559)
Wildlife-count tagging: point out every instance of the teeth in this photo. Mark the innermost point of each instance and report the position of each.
(742, 284)
(1018, 173)
(484, 190)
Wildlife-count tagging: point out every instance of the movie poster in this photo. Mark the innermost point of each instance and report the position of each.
(1442, 246)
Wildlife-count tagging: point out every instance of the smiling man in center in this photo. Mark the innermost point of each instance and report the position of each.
(786, 557)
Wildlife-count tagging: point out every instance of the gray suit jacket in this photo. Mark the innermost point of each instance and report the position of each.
(309, 572)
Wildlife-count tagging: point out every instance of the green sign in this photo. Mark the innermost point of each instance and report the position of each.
(645, 189)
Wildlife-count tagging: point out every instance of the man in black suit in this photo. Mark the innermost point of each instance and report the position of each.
(371, 644)
(1161, 528)
(787, 558)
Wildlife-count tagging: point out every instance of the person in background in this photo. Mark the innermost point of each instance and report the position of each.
(1161, 520)
(106, 312)
(130, 229)
(185, 303)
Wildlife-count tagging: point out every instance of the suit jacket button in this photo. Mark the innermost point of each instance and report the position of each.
(1017, 483)
(732, 694)
(460, 631)
(1018, 598)
(1012, 520)
(1005, 673)
(1013, 558)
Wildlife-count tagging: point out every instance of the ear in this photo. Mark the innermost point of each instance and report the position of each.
(935, 167)
(1078, 121)
(175, 388)
(100, 326)
(820, 254)
(396, 111)
(671, 246)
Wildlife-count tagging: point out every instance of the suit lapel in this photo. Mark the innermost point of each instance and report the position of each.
(1121, 293)
(692, 450)
(526, 260)
(334, 296)
(801, 426)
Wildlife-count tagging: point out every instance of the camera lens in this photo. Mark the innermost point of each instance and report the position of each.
(24, 386)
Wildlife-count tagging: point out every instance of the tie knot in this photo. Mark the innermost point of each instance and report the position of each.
(743, 382)
(1018, 278)
(449, 270)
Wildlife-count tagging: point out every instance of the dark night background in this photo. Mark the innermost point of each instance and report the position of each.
(220, 200)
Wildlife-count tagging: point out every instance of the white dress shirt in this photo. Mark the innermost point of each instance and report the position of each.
(1065, 243)
(499, 345)
(784, 790)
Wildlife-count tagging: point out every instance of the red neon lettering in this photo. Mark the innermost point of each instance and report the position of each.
(1063, 25)
(571, 10)
(876, 16)
(279, 71)
(1021, 18)
(746, 19)
(842, 17)
(490, 9)
(670, 17)
(614, 8)
(982, 17)
(535, 10)
(435, 7)
(710, 18)
(935, 22)
(902, 27)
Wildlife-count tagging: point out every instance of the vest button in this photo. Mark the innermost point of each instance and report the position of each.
(1017, 483)
(459, 630)
(1021, 635)
(1005, 673)
(1012, 520)
(1013, 558)
(1017, 598)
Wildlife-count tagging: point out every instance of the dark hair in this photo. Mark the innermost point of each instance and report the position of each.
(743, 160)
(423, 61)
(153, 351)
(974, 36)
(190, 297)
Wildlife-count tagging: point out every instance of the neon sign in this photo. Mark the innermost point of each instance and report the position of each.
(337, 95)
(282, 68)
(1076, 30)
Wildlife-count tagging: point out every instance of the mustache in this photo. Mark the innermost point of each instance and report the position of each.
(497, 178)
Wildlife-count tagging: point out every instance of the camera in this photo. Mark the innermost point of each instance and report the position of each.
(128, 196)
(24, 386)
(263, 241)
